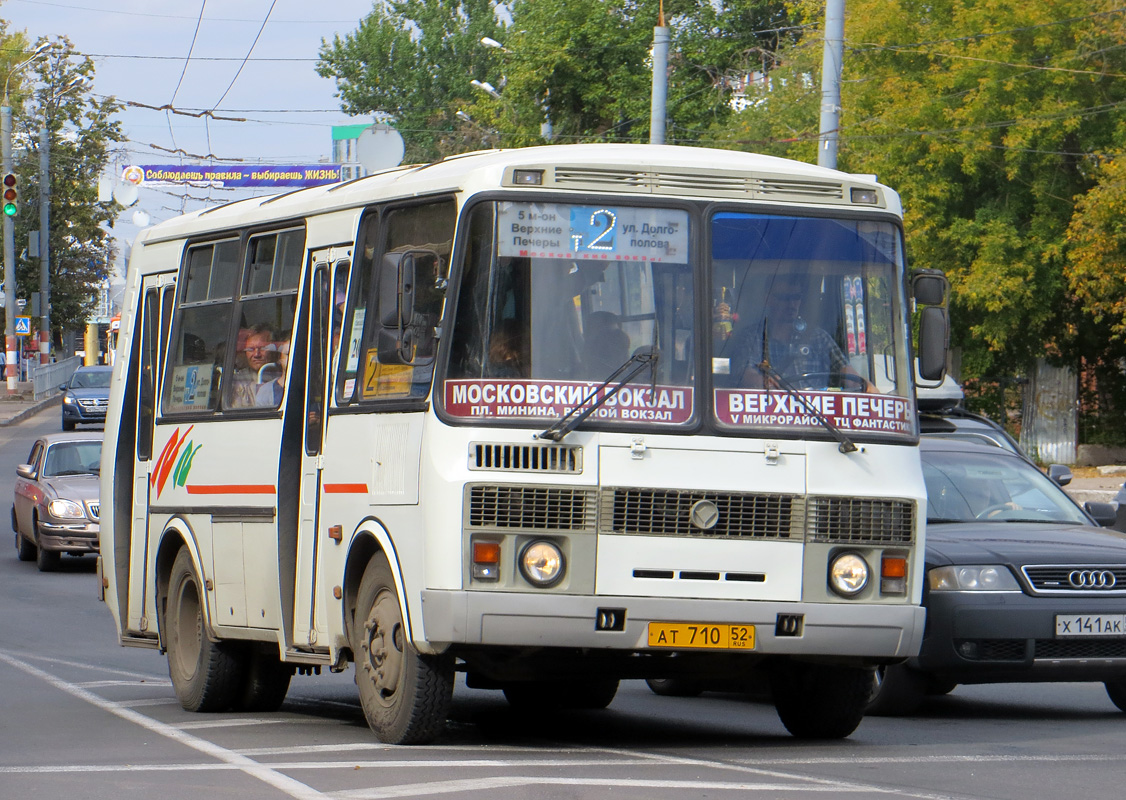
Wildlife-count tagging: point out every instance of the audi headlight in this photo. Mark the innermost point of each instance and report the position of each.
(848, 574)
(65, 509)
(984, 578)
(542, 564)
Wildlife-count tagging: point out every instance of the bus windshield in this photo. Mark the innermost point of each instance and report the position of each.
(556, 297)
(807, 315)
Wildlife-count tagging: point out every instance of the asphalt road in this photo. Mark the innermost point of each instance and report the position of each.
(84, 719)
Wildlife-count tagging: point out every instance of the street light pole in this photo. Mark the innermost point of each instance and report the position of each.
(9, 231)
(45, 223)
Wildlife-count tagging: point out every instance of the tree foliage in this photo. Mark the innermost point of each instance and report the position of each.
(583, 64)
(81, 131)
(989, 117)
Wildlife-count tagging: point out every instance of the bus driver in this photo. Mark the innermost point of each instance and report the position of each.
(786, 345)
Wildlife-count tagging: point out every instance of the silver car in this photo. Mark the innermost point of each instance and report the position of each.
(55, 510)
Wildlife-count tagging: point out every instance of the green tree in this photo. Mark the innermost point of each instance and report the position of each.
(988, 117)
(584, 64)
(411, 61)
(81, 130)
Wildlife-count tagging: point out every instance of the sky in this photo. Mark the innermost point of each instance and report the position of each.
(192, 54)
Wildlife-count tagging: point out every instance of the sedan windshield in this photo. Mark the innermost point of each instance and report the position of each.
(73, 458)
(968, 486)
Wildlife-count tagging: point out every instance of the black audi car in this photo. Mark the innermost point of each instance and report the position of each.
(1022, 585)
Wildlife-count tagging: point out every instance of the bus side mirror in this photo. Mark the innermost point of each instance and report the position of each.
(934, 333)
(930, 288)
(406, 321)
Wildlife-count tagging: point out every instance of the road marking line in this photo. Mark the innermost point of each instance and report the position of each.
(234, 723)
(131, 684)
(267, 775)
(449, 787)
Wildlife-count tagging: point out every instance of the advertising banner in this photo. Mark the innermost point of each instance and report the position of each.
(235, 176)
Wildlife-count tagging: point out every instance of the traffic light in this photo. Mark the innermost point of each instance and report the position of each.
(11, 195)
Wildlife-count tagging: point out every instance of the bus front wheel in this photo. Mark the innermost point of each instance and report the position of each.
(405, 695)
(820, 701)
(206, 675)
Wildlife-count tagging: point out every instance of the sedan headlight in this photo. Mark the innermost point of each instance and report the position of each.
(68, 399)
(984, 578)
(541, 563)
(65, 509)
(848, 574)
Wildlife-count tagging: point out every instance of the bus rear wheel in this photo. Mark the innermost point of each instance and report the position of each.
(820, 701)
(405, 695)
(206, 675)
(266, 684)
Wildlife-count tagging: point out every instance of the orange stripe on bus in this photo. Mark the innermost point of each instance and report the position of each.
(234, 488)
(345, 488)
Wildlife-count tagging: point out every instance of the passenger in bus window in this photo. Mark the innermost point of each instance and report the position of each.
(508, 351)
(783, 343)
(269, 394)
(257, 363)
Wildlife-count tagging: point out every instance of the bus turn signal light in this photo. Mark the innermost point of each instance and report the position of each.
(486, 561)
(893, 575)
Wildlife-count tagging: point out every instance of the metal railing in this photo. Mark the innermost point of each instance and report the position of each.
(47, 378)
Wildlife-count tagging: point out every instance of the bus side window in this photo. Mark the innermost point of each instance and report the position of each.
(428, 228)
(195, 359)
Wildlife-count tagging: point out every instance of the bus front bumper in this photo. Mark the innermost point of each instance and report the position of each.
(512, 619)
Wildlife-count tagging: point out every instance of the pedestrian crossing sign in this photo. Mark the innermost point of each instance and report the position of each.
(23, 326)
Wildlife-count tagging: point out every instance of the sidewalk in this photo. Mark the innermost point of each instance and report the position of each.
(13, 410)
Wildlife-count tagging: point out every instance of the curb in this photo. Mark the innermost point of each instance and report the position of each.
(31, 410)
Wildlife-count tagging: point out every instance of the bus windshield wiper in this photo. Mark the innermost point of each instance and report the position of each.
(845, 444)
(573, 418)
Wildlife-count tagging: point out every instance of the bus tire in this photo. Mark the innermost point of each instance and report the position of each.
(405, 695)
(820, 701)
(592, 695)
(206, 675)
(267, 682)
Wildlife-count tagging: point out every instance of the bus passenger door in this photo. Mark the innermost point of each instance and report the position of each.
(156, 299)
(307, 630)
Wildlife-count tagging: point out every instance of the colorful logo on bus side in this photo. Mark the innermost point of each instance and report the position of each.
(174, 462)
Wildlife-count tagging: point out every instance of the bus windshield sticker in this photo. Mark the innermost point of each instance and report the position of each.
(386, 380)
(846, 410)
(618, 233)
(516, 398)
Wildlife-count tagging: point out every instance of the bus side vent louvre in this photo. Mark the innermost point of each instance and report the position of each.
(855, 520)
(668, 512)
(537, 508)
(508, 457)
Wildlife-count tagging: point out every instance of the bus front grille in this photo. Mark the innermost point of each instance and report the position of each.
(669, 512)
(530, 508)
(861, 519)
(509, 457)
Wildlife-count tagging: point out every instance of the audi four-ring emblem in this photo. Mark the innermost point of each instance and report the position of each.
(1091, 579)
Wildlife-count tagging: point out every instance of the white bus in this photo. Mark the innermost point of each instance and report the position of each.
(552, 418)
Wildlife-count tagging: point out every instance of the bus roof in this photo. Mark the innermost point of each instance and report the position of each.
(628, 169)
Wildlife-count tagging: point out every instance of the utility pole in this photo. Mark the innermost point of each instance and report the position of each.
(9, 230)
(831, 84)
(657, 111)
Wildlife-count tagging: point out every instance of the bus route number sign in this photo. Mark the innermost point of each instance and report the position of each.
(625, 233)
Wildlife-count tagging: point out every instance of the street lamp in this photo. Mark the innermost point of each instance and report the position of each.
(79, 82)
(546, 131)
(9, 228)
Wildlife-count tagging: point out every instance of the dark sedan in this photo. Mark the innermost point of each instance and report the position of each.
(86, 396)
(1022, 585)
(56, 504)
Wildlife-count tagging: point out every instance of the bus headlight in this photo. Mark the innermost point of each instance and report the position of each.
(848, 574)
(541, 563)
